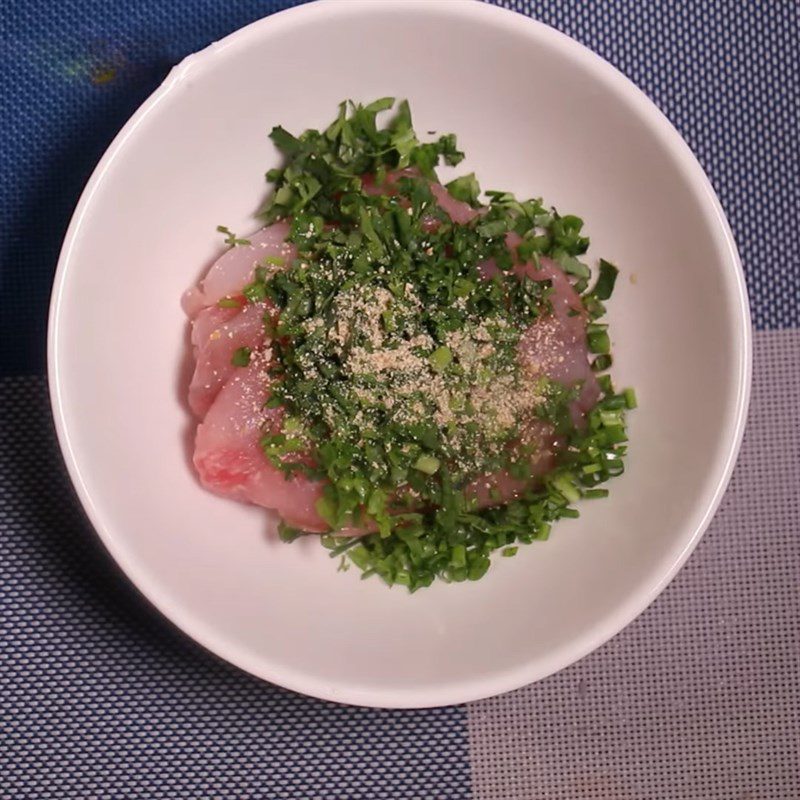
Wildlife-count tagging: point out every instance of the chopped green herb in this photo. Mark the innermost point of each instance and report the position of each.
(241, 357)
(466, 188)
(599, 342)
(287, 533)
(440, 358)
(397, 361)
(605, 280)
(231, 238)
(602, 363)
(427, 464)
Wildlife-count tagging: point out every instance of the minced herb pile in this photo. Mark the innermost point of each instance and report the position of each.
(397, 362)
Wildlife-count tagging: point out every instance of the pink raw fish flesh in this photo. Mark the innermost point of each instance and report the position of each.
(230, 461)
(232, 271)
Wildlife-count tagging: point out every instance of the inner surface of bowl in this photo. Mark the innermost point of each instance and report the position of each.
(536, 114)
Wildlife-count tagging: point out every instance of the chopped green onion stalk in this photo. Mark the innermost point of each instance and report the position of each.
(241, 357)
(395, 338)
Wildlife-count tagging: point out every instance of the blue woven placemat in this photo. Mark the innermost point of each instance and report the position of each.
(700, 698)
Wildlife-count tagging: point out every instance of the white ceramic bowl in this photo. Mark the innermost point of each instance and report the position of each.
(537, 114)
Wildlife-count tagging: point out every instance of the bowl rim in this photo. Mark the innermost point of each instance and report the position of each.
(474, 688)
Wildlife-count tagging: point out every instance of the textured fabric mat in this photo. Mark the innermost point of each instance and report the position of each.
(100, 698)
(726, 72)
(700, 697)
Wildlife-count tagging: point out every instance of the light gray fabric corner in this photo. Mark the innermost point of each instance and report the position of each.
(699, 697)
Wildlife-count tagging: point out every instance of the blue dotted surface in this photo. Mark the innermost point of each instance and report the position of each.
(726, 73)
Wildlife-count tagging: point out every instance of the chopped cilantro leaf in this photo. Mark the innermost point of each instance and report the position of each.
(241, 357)
(230, 237)
(396, 361)
(229, 302)
(466, 188)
